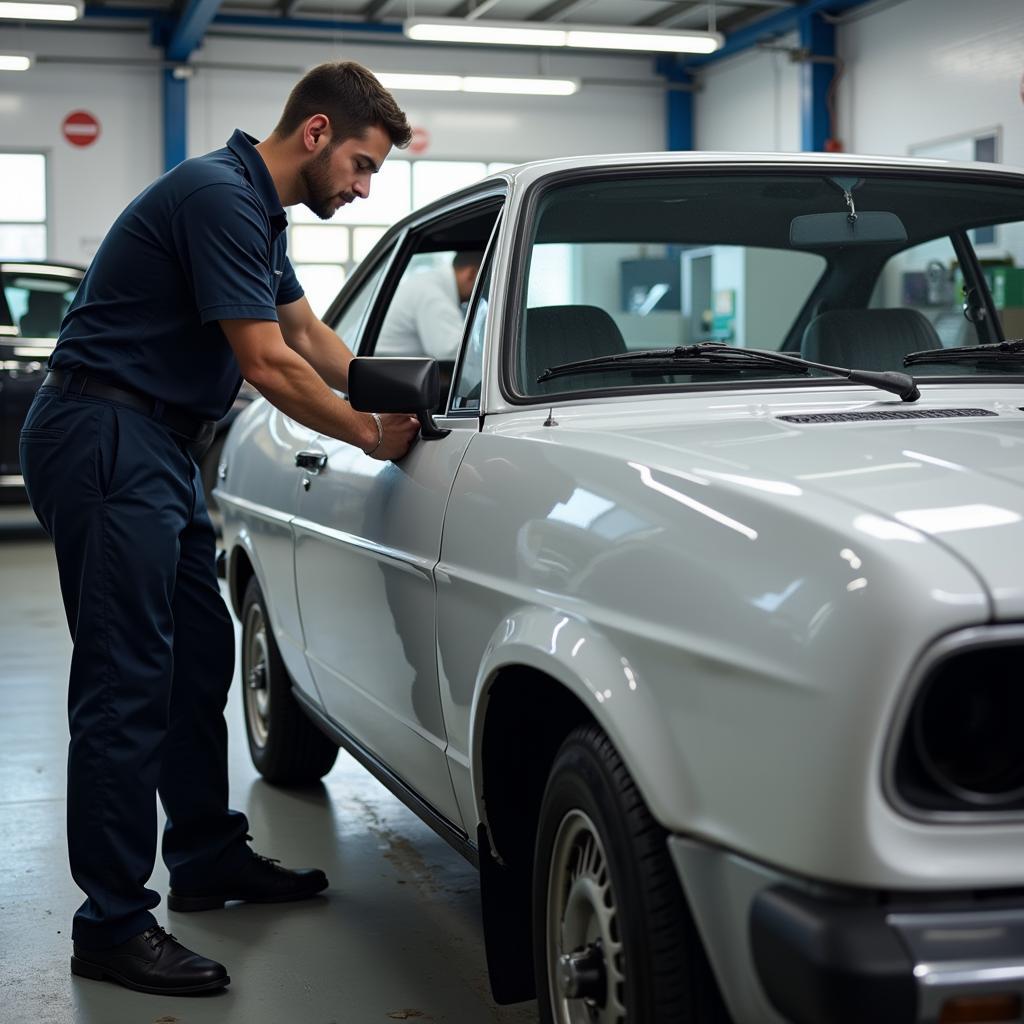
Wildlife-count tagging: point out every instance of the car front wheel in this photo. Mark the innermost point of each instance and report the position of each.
(285, 746)
(613, 939)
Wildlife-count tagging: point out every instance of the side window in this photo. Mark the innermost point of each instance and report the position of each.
(38, 304)
(349, 326)
(466, 393)
(927, 277)
(428, 308)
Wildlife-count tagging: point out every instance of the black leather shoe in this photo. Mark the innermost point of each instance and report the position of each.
(259, 880)
(152, 961)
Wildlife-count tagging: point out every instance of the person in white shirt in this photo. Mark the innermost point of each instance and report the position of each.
(425, 317)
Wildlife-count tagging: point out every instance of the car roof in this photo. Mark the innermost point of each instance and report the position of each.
(526, 173)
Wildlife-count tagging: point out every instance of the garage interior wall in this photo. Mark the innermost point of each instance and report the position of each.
(916, 71)
(89, 186)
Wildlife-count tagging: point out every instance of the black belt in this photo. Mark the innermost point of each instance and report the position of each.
(192, 428)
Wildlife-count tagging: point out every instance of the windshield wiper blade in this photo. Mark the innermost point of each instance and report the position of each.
(1010, 351)
(710, 356)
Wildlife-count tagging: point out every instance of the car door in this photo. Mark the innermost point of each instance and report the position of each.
(367, 539)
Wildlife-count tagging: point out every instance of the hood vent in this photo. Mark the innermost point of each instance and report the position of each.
(893, 414)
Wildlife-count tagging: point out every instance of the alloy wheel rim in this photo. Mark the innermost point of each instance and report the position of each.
(256, 676)
(586, 958)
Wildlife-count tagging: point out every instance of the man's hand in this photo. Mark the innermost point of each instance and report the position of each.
(399, 433)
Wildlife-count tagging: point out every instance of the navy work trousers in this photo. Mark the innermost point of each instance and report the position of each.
(153, 657)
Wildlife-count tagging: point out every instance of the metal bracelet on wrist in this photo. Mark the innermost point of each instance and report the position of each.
(380, 433)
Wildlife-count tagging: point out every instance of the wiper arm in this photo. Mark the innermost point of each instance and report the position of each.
(1010, 351)
(711, 356)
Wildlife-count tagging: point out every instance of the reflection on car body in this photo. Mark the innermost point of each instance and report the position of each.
(711, 665)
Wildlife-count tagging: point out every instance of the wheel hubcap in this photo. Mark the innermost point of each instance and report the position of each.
(256, 675)
(586, 961)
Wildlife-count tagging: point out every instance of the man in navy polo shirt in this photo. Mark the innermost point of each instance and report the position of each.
(190, 291)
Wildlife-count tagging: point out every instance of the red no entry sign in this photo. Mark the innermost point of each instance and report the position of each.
(80, 128)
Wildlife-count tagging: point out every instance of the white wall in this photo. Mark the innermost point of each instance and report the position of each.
(598, 119)
(916, 71)
(749, 103)
(929, 69)
(89, 186)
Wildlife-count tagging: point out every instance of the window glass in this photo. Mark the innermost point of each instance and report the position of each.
(22, 206)
(432, 179)
(928, 278)
(363, 240)
(760, 261)
(466, 393)
(427, 310)
(321, 282)
(23, 241)
(38, 304)
(319, 243)
(349, 325)
(22, 187)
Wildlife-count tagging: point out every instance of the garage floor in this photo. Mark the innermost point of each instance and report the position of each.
(396, 937)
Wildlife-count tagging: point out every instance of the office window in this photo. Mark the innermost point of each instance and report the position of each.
(22, 206)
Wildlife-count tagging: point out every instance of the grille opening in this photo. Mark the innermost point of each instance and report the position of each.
(962, 748)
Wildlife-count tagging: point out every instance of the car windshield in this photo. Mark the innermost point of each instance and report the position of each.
(852, 269)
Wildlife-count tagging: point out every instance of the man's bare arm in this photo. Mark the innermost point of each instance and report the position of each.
(308, 335)
(291, 384)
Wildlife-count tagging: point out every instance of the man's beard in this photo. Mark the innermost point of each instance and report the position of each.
(320, 196)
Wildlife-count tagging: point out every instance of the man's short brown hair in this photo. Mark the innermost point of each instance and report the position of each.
(351, 97)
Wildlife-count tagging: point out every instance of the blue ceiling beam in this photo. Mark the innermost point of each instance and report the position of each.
(390, 29)
(777, 24)
(191, 27)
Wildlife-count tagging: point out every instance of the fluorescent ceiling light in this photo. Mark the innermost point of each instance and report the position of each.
(30, 10)
(433, 83)
(455, 30)
(522, 86)
(479, 83)
(648, 42)
(593, 37)
(15, 61)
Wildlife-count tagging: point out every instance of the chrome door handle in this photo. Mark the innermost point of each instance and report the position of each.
(311, 462)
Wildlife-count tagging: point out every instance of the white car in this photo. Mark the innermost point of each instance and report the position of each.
(695, 617)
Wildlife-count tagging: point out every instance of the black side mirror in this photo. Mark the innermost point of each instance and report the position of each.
(386, 384)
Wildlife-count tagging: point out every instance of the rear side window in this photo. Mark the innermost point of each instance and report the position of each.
(38, 303)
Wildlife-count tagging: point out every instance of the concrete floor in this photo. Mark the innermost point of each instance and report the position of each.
(397, 936)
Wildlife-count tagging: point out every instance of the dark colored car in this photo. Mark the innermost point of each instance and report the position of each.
(34, 297)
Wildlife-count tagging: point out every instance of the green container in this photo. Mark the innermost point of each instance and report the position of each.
(1006, 285)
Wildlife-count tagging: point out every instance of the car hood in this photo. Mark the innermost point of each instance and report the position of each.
(954, 473)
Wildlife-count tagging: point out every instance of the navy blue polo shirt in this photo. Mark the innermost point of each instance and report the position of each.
(206, 242)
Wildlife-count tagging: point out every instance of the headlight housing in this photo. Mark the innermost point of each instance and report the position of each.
(962, 743)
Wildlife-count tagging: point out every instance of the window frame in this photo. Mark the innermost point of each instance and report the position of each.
(415, 228)
(524, 231)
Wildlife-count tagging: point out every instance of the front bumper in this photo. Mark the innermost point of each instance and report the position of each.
(848, 962)
(789, 951)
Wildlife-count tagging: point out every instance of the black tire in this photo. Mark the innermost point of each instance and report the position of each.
(285, 746)
(602, 871)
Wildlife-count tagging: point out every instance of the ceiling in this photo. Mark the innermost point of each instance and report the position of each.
(666, 14)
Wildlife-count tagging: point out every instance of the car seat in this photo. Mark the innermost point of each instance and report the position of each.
(867, 339)
(44, 314)
(565, 334)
